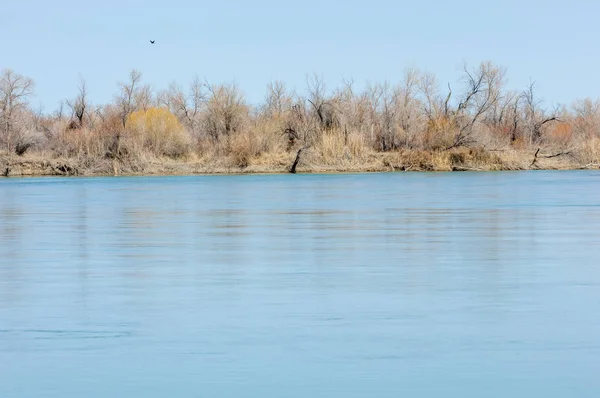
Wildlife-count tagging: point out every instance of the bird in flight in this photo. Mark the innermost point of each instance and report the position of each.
(151, 41)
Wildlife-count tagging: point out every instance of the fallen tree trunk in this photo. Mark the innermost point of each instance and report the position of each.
(293, 168)
(556, 155)
(535, 158)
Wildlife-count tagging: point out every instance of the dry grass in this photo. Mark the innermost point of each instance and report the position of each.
(590, 152)
(262, 148)
(464, 159)
(247, 146)
(338, 147)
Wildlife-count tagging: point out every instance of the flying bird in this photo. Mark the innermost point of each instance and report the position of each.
(151, 41)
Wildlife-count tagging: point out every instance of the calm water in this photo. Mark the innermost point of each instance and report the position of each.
(379, 285)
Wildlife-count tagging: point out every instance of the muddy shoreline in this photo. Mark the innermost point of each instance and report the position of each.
(406, 161)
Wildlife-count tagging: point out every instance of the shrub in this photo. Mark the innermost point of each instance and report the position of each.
(226, 112)
(561, 134)
(158, 131)
(440, 133)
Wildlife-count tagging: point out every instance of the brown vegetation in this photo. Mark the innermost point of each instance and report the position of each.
(413, 125)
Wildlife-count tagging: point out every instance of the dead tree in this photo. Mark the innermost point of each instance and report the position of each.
(555, 155)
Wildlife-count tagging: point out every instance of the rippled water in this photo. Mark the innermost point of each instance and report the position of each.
(375, 285)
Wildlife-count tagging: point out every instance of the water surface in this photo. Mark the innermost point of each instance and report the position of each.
(373, 285)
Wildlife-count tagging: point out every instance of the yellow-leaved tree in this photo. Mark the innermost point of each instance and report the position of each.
(159, 131)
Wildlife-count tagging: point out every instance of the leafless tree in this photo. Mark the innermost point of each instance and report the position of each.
(226, 110)
(388, 116)
(322, 106)
(300, 124)
(128, 91)
(79, 106)
(514, 117)
(187, 107)
(347, 104)
(498, 117)
(587, 118)
(408, 99)
(394, 111)
(15, 90)
(352, 108)
(374, 99)
(428, 88)
(59, 113)
(143, 97)
(482, 90)
(535, 116)
(277, 100)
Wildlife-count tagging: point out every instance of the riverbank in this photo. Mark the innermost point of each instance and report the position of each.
(411, 125)
(459, 159)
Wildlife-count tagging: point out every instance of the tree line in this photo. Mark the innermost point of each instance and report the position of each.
(416, 113)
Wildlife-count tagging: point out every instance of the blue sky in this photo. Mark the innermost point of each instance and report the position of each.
(552, 42)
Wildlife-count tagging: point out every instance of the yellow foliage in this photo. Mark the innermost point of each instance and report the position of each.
(440, 133)
(158, 130)
(439, 124)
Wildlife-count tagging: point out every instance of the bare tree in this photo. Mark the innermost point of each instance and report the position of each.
(483, 89)
(300, 124)
(79, 106)
(409, 119)
(39, 122)
(59, 113)
(394, 111)
(347, 101)
(143, 97)
(323, 108)
(535, 116)
(277, 100)
(587, 118)
(352, 109)
(126, 98)
(15, 90)
(388, 116)
(374, 94)
(408, 97)
(514, 117)
(431, 102)
(226, 110)
(498, 117)
(186, 107)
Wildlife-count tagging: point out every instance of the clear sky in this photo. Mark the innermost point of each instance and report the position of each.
(552, 42)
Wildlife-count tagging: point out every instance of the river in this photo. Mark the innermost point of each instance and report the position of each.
(341, 285)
